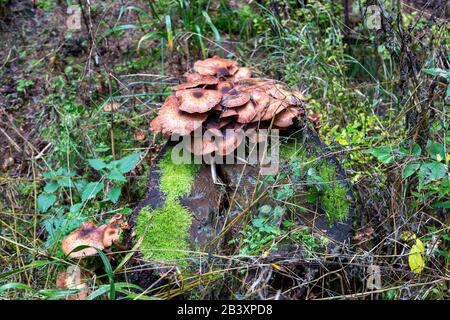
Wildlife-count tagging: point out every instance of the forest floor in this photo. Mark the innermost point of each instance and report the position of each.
(72, 97)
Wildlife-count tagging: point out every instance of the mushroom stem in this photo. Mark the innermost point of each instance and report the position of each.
(215, 177)
(244, 161)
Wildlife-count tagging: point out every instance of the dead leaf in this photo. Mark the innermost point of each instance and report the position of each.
(112, 106)
(374, 279)
(363, 234)
(139, 136)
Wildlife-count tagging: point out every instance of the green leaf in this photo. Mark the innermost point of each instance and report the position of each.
(114, 194)
(431, 171)
(45, 201)
(410, 168)
(116, 176)
(97, 164)
(417, 150)
(441, 205)
(65, 182)
(49, 174)
(51, 186)
(91, 190)
(76, 208)
(383, 154)
(448, 91)
(129, 162)
(436, 72)
(436, 150)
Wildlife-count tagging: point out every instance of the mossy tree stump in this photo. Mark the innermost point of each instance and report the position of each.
(185, 217)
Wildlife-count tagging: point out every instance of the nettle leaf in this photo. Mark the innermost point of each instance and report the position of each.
(115, 175)
(65, 182)
(91, 190)
(51, 186)
(431, 171)
(114, 194)
(415, 257)
(45, 201)
(97, 164)
(49, 174)
(81, 184)
(436, 150)
(410, 168)
(128, 163)
(76, 208)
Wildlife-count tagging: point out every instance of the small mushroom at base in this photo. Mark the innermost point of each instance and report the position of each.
(73, 278)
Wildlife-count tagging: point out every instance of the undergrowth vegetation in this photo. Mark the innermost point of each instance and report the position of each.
(74, 117)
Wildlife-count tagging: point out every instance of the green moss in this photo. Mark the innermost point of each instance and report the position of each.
(334, 198)
(166, 229)
(176, 179)
(166, 236)
(333, 194)
(291, 149)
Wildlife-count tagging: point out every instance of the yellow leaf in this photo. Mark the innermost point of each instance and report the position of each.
(415, 257)
(407, 235)
(275, 266)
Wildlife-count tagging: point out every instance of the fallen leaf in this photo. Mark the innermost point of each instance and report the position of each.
(374, 279)
(112, 106)
(364, 234)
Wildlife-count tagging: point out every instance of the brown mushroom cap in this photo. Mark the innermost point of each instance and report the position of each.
(220, 124)
(224, 86)
(86, 235)
(254, 84)
(112, 231)
(73, 278)
(203, 81)
(286, 117)
(229, 141)
(241, 74)
(297, 98)
(198, 100)
(97, 237)
(201, 146)
(216, 66)
(171, 120)
(246, 113)
(314, 117)
(235, 98)
(261, 102)
(229, 113)
(191, 77)
(275, 107)
(281, 93)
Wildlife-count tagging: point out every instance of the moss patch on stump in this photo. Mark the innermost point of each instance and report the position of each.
(167, 228)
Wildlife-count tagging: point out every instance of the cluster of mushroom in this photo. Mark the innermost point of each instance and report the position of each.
(222, 97)
(88, 234)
